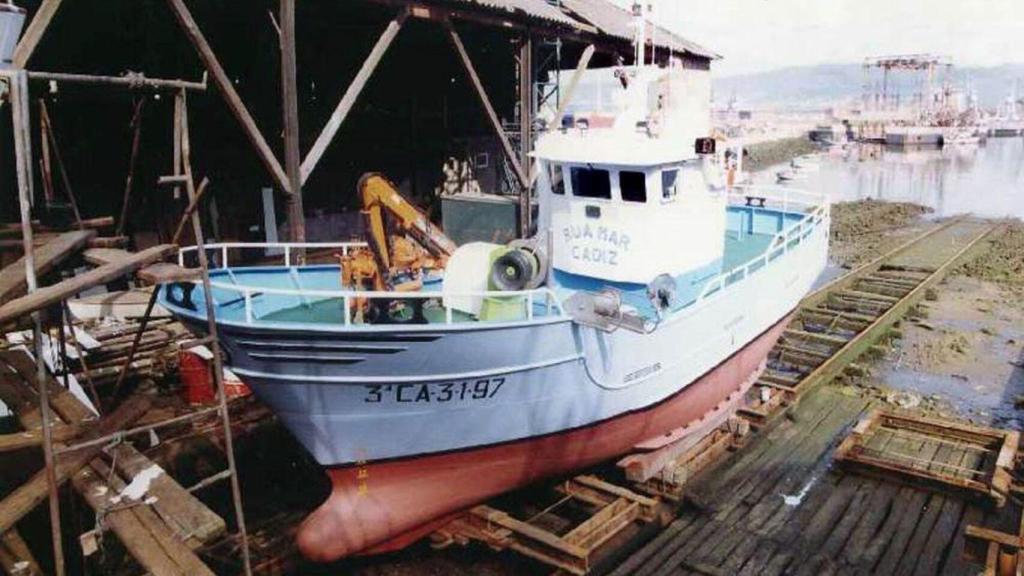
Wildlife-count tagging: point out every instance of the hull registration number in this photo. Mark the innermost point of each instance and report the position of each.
(463, 391)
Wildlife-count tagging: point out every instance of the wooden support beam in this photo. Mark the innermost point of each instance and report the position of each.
(348, 101)
(290, 108)
(525, 131)
(51, 295)
(227, 89)
(34, 33)
(136, 126)
(130, 80)
(485, 101)
(193, 204)
(33, 438)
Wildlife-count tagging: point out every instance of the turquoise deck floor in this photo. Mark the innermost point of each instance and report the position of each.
(744, 248)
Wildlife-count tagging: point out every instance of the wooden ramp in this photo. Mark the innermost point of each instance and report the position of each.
(781, 506)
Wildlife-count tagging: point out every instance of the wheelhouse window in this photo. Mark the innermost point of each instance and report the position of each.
(669, 182)
(591, 183)
(557, 179)
(633, 186)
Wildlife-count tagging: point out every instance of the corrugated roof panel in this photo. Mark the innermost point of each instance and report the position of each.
(533, 8)
(616, 21)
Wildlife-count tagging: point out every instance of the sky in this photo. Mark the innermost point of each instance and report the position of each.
(760, 35)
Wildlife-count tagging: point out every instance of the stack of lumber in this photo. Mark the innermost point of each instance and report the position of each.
(97, 351)
(158, 521)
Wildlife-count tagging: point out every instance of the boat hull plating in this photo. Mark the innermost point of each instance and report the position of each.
(380, 506)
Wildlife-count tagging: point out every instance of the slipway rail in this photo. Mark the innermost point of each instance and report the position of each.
(841, 321)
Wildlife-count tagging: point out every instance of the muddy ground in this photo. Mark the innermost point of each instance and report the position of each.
(866, 229)
(764, 154)
(961, 352)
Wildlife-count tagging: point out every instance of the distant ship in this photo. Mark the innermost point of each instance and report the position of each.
(651, 294)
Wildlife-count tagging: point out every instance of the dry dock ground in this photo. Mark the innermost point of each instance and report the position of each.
(781, 505)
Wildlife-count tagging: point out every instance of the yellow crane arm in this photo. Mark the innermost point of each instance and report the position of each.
(379, 194)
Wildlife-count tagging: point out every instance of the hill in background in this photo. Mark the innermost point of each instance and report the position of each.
(826, 84)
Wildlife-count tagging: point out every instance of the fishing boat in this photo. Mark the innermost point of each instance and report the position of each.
(649, 297)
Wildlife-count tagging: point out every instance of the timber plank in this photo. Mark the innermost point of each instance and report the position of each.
(103, 256)
(912, 553)
(50, 295)
(804, 462)
(903, 532)
(190, 519)
(732, 488)
(955, 561)
(733, 560)
(27, 496)
(46, 259)
(650, 549)
(882, 504)
(129, 529)
(940, 539)
(15, 556)
(778, 564)
(810, 536)
(757, 562)
(170, 543)
(843, 527)
(908, 502)
(165, 272)
(680, 554)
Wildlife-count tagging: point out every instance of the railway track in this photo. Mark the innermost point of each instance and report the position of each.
(841, 321)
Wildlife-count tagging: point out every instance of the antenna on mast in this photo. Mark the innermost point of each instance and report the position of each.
(639, 38)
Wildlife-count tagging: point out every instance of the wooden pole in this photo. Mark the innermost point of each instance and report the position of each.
(132, 159)
(44, 117)
(348, 101)
(23, 157)
(486, 102)
(34, 33)
(130, 80)
(227, 89)
(290, 106)
(211, 325)
(525, 131)
(44, 162)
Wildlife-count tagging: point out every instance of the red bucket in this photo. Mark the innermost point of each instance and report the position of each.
(197, 380)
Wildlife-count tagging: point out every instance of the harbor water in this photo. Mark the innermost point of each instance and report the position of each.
(984, 179)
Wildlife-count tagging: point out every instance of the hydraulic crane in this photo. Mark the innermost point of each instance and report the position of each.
(402, 242)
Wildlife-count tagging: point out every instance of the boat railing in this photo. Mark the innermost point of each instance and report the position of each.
(814, 207)
(284, 249)
(546, 297)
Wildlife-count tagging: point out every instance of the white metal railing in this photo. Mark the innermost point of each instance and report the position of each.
(530, 297)
(816, 210)
(286, 249)
(248, 293)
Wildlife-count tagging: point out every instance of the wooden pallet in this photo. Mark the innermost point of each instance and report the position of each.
(989, 478)
(573, 551)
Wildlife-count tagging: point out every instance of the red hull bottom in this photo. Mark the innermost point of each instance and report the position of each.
(384, 506)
